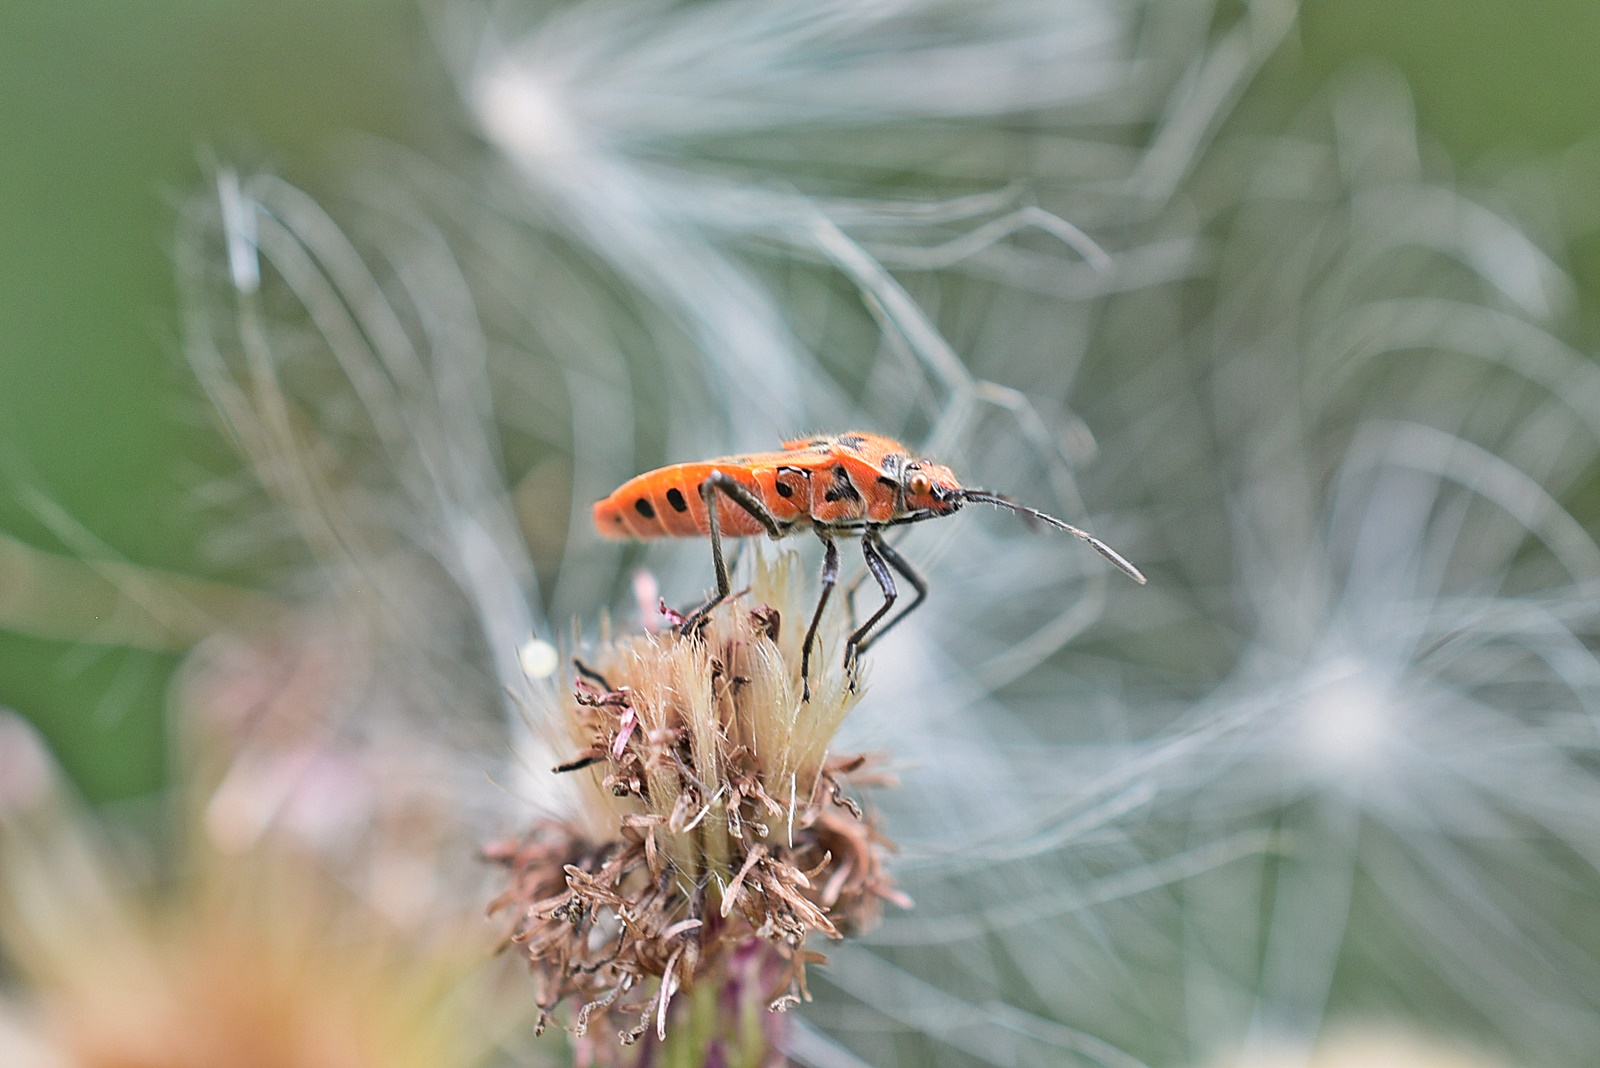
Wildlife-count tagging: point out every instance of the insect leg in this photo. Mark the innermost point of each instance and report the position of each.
(855, 584)
(830, 575)
(880, 571)
(907, 572)
(740, 494)
(591, 674)
(736, 492)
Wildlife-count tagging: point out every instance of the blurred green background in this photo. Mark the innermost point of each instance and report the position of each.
(109, 109)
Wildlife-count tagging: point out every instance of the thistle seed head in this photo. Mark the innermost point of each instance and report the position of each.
(718, 829)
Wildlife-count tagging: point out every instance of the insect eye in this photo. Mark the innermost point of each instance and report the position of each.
(919, 484)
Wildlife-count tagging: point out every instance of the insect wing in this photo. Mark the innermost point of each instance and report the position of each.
(667, 502)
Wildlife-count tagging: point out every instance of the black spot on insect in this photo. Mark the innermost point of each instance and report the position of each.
(892, 463)
(782, 485)
(884, 480)
(853, 442)
(843, 489)
(644, 508)
(675, 498)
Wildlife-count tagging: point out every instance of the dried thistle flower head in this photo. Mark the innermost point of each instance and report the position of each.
(717, 837)
(254, 958)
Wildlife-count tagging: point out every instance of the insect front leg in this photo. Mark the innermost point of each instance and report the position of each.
(830, 575)
(855, 584)
(907, 572)
(880, 571)
(591, 674)
(740, 495)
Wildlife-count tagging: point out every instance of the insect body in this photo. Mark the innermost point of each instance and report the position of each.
(852, 485)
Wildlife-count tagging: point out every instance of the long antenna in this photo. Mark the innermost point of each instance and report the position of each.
(986, 497)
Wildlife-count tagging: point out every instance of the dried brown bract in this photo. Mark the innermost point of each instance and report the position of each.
(720, 837)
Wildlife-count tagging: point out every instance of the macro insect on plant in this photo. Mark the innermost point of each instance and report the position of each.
(850, 485)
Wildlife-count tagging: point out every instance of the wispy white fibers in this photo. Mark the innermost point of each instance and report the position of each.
(705, 227)
(763, 172)
(625, 122)
(746, 165)
(665, 135)
(354, 381)
(1380, 612)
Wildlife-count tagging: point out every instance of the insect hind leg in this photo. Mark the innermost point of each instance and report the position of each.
(739, 494)
(830, 576)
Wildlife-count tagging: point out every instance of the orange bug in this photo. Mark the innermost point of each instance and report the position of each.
(854, 484)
